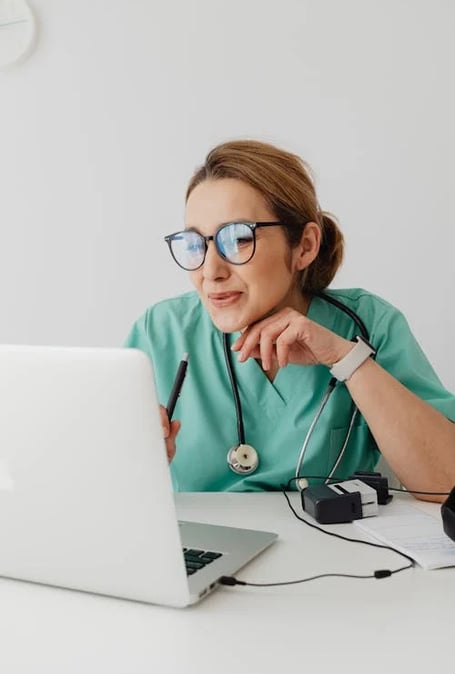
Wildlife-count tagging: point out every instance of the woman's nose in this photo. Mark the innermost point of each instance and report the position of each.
(214, 266)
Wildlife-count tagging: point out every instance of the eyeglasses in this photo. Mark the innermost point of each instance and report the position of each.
(235, 242)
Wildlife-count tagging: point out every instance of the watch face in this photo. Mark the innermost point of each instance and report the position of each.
(17, 31)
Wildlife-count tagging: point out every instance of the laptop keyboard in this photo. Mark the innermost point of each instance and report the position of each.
(198, 559)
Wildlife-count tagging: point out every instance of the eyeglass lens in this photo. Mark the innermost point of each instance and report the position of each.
(234, 242)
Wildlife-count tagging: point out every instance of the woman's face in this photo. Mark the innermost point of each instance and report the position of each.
(237, 296)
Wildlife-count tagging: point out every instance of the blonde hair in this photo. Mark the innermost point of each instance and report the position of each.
(284, 181)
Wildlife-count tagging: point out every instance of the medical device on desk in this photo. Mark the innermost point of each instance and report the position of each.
(348, 500)
(243, 459)
(340, 502)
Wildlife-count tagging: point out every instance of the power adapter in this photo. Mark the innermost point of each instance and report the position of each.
(340, 502)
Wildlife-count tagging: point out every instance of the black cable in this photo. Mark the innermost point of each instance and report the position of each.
(378, 574)
(414, 491)
(347, 310)
(235, 390)
(347, 538)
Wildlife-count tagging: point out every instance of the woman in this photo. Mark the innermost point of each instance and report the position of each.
(260, 252)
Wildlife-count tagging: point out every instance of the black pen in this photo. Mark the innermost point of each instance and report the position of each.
(177, 387)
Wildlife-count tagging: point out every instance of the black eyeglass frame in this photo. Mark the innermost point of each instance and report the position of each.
(252, 225)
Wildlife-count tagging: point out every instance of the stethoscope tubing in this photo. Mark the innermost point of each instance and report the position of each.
(330, 388)
(235, 389)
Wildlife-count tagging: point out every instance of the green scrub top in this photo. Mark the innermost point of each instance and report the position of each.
(276, 415)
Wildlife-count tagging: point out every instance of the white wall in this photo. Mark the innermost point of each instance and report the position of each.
(102, 126)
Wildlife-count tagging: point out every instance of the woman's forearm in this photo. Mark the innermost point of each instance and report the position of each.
(416, 440)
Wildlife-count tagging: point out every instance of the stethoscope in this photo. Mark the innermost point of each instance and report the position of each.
(243, 459)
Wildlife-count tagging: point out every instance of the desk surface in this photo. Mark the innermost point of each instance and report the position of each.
(406, 621)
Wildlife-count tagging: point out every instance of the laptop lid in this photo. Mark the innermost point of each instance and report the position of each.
(85, 492)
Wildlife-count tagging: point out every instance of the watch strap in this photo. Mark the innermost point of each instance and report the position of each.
(345, 368)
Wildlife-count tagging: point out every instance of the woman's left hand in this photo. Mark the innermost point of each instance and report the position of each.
(290, 337)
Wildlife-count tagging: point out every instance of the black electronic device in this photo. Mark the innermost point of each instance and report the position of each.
(448, 515)
(340, 502)
(329, 508)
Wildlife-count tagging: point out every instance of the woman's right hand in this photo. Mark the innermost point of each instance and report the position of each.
(170, 430)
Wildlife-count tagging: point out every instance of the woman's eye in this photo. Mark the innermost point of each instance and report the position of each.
(243, 241)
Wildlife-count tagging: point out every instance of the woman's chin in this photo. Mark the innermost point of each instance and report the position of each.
(226, 323)
(228, 326)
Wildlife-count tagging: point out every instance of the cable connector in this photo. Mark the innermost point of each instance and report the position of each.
(382, 573)
(230, 580)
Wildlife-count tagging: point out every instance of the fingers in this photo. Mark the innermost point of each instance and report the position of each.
(175, 427)
(267, 350)
(283, 344)
(240, 341)
(165, 422)
(170, 431)
(270, 338)
(170, 442)
(294, 344)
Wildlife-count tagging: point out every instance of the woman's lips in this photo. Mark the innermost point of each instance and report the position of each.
(224, 299)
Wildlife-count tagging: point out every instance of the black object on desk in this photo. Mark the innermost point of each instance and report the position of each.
(448, 515)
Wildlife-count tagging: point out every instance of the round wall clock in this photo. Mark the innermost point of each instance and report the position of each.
(17, 31)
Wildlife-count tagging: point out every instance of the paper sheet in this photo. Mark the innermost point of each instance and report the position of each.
(413, 532)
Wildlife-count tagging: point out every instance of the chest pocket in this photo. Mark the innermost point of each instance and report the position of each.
(361, 452)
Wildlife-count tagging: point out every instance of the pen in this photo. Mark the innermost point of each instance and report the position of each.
(177, 387)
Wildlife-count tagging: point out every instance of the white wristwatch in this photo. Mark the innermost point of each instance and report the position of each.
(345, 368)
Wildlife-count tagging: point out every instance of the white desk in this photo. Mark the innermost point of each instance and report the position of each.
(406, 622)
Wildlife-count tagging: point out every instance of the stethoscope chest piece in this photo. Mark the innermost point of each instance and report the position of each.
(243, 459)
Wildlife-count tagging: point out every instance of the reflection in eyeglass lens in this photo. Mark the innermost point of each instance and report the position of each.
(189, 249)
(235, 242)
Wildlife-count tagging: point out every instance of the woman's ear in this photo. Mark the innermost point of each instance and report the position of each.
(309, 245)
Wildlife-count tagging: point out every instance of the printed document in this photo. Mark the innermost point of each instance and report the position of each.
(412, 531)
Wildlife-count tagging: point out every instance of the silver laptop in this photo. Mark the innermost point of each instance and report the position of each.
(85, 492)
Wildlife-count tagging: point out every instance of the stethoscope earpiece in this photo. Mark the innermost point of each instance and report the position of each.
(243, 459)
